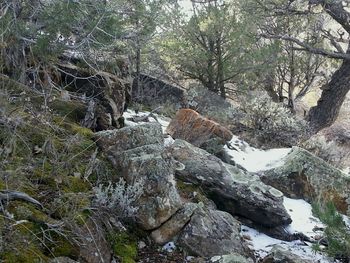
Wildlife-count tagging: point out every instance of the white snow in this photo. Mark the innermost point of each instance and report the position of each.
(303, 220)
(162, 120)
(169, 247)
(253, 159)
(262, 245)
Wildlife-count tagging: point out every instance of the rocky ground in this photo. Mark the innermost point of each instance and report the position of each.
(160, 189)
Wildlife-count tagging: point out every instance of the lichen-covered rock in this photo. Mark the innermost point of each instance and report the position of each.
(190, 126)
(232, 189)
(279, 254)
(212, 233)
(62, 260)
(306, 176)
(129, 137)
(137, 153)
(173, 226)
(232, 258)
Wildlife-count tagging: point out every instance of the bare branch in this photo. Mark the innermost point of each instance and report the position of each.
(7, 195)
(309, 48)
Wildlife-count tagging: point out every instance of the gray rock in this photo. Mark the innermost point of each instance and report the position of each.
(153, 92)
(306, 176)
(62, 260)
(232, 258)
(232, 189)
(211, 233)
(129, 137)
(137, 153)
(279, 254)
(173, 226)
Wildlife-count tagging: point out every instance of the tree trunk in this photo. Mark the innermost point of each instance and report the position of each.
(220, 69)
(332, 98)
(211, 68)
(291, 84)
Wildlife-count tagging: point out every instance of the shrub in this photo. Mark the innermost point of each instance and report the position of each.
(337, 233)
(272, 123)
(329, 151)
(119, 197)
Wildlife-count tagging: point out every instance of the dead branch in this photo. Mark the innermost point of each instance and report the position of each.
(8, 195)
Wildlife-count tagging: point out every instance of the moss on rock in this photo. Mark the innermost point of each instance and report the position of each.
(124, 246)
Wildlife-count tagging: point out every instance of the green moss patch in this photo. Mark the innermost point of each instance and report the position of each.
(124, 246)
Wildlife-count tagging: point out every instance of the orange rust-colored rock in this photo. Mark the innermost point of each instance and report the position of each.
(190, 126)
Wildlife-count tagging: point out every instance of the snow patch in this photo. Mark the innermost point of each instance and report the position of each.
(303, 222)
(253, 159)
(262, 245)
(303, 219)
(169, 247)
(162, 120)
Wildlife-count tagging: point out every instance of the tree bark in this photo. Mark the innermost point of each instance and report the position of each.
(220, 69)
(332, 98)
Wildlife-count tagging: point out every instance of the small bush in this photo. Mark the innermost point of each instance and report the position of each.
(119, 197)
(272, 123)
(337, 233)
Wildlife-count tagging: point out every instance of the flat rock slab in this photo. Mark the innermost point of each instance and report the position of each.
(232, 189)
(173, 226)
(279, 254)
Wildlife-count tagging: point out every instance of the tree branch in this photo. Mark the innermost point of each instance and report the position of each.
(336, 10)
(7, 195)
(309, 48)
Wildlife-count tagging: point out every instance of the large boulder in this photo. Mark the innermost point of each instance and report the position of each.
(232, 189)
(212, 233)
(190, 126)
(280, 254)
(152, 91)
(306, 176)
(137, 153)
(231, 258)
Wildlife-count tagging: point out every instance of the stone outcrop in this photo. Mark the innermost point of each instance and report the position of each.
(306, 176)
(137, 153)
(279, 254)
(211, 233)
(111, 94)
(152, 91)
(190, 126)
(174, 225)
(231, 258)
(232, 189)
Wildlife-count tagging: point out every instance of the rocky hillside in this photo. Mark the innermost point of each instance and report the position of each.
(83, 180)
